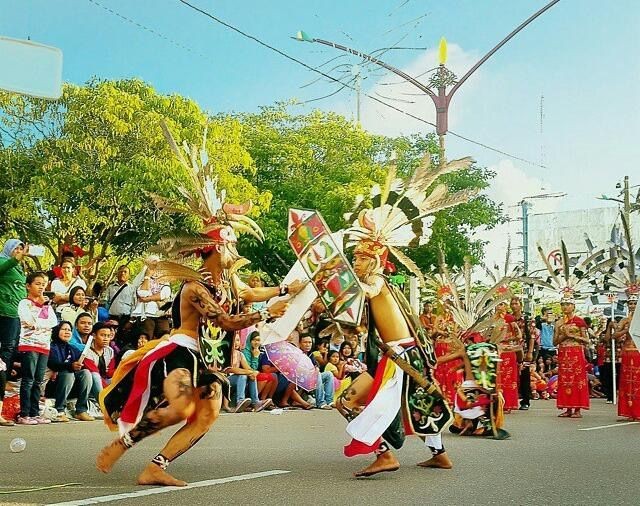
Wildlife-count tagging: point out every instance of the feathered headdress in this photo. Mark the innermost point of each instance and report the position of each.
(624, 276)
(220, 220)
(473, 312)
(402, 213)
(571, 283)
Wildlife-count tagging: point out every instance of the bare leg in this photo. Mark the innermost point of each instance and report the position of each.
(385, 462)
(299, 401)
(207, 410)
(179, 394)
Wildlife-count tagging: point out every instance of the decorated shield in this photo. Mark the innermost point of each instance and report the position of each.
(325, 265)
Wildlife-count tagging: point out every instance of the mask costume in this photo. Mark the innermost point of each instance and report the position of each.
(625, 279)
(182, 377)
(479, 403)
(570, 334)
(397, 396)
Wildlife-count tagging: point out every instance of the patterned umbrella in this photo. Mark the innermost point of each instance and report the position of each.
(293, 363)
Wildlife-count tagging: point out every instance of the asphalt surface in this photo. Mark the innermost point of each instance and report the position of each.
(546, 461)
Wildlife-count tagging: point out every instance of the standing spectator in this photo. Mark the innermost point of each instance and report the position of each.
(427, 318)
(325, 388)
(350, 366)
(547, 349)
(70, 373)
(78, 303)
(12, 291)
(151, 296)
(255, 281)
(119, 299)
(62, 286)
(37, 318)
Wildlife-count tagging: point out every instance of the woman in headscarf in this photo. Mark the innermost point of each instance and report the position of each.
(12, 291)
(78, 303)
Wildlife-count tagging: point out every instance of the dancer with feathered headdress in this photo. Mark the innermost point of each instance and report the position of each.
(479, 402)
(626, 279)
(570, 336)
(184, 377)
(401, 215)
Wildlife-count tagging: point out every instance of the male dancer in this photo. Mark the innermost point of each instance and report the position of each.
(391, 399)
(178, 379)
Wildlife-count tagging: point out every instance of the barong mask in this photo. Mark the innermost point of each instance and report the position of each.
(401, 214)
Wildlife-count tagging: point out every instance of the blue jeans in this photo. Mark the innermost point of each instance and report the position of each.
(239, 382)
(34, 365)
(324, 389)
(9, 337)
(96, 386)
(65, 383)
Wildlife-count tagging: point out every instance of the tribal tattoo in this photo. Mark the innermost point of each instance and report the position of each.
(146, 426)
(208, 307)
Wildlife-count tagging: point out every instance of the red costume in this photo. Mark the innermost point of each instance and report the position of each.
(509, 371)
(573, 386)
(629, 393)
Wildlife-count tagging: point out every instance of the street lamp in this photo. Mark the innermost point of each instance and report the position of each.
(440, 81)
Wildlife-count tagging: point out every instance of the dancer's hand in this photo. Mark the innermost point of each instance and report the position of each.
(277, 309)
(297, 286)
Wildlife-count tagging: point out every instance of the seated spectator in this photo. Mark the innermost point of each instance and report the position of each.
(100, 359)
(70, 374)
(78, 303)
(81, 331)
(62, 286)
(352, 367)
(241, 376)
(321, 353)
(267, 382)
(142, 341)
(324, 389)
(37, 318)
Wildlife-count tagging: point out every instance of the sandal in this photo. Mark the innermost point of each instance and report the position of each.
(565, 414)
(6, 423)
(576, 415)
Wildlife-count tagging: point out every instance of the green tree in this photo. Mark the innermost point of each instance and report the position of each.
(95, 154)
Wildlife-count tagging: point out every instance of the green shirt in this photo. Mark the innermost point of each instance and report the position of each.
(12, 287)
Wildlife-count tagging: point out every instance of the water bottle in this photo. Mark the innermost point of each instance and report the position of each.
(17, 445)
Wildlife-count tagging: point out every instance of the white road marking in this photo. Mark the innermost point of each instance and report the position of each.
(609, 426)
(164, 490)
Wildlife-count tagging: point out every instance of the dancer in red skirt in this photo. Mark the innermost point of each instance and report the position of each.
(570, 338)
(508, 369)
(629, 393)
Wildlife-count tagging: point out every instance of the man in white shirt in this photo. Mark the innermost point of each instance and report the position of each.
(151, 318)
(120, 299)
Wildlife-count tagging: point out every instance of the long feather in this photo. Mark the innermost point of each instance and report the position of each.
(408, 263)
(631, 261)
(565, 261)
(551, 270)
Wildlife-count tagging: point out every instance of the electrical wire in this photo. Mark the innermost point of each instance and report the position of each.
(301, 63)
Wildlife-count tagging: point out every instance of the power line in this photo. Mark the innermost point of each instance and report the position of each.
(150, 30)
(295, 60)
(309, 67)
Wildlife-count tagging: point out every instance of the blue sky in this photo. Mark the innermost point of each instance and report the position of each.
(582, 55)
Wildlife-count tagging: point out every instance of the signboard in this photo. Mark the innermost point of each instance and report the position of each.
(30, 68)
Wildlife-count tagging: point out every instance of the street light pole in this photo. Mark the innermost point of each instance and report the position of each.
(443, 78)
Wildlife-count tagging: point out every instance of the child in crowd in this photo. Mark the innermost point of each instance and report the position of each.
(70, 373)
(37, 318)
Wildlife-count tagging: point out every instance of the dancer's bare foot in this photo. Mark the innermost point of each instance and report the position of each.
(154, 475)
(386, 462)
(109, 455)
(441, 461)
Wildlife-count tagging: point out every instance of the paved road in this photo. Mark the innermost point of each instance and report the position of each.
(547, 461)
